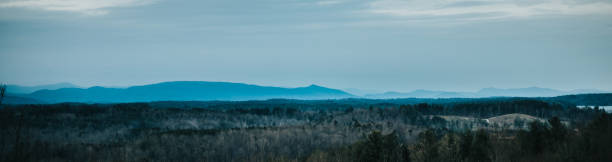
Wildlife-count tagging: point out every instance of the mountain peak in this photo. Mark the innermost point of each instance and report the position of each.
(315, 86)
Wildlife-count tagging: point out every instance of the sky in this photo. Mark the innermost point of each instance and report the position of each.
(378, 45)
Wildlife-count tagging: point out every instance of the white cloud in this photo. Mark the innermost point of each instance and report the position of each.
(88, 7)
(491, 9)
(329, 2)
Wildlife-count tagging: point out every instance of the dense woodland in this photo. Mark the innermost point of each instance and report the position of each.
(503, 129)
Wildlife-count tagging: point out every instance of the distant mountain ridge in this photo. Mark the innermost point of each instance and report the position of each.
(485, 92)
(184, 91)
(17, 89)
(227, 91)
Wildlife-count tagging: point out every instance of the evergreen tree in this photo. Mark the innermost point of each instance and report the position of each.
(466, 144)
(480, 147)
(534, 142)
(2, 90)
(558, 132)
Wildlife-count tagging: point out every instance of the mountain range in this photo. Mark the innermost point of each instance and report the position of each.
(485, 92)
(17, 89)
(208, 91)
(183, 91)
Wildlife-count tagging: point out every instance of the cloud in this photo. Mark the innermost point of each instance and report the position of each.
(87, 7)
(491, 9)
(329, 2)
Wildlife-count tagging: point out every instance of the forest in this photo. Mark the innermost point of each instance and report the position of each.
(494, 129)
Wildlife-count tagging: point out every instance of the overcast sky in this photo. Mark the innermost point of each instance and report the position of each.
(398, 45)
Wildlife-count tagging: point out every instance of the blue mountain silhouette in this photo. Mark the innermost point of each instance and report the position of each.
(184, 91)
